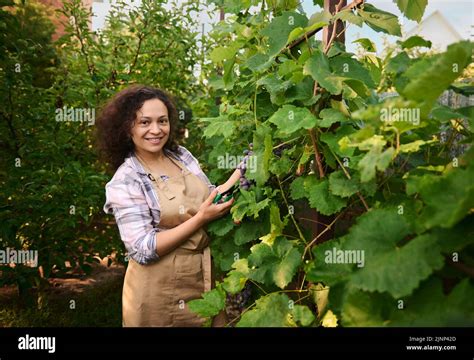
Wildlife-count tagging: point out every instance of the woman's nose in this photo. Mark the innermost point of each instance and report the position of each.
(155, 128)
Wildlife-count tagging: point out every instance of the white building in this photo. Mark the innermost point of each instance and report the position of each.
(436, 29)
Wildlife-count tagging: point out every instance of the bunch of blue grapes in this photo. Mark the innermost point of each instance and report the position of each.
(244, 182)
(238, 302)
(279, 150)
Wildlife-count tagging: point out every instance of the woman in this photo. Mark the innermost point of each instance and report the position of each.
(161, 201)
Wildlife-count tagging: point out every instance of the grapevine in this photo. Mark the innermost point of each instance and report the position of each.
(357, 199)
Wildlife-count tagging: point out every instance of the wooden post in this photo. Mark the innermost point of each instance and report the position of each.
(308, 217)
(330, 5)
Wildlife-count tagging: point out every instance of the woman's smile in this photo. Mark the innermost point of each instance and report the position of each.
(155, 140)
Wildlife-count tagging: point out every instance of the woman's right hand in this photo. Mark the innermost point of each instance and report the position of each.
(209, 211)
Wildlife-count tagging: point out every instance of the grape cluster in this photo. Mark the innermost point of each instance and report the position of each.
(238, 302)
(244, 182)
(279, 150)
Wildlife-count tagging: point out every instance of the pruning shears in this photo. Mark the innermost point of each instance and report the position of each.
(226, 195)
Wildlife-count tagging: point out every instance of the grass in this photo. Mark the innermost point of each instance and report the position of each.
(97, 306)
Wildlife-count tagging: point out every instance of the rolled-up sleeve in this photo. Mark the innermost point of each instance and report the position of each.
(127, 202)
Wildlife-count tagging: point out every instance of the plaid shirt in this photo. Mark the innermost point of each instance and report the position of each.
(131, 198)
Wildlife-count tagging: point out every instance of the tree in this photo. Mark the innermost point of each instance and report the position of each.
(52, 179)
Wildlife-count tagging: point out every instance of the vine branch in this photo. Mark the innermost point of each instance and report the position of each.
(311, 33)
(289, 212)
(460, 266)
(321, 234)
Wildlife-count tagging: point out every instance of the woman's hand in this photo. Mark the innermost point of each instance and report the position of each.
(209, 211)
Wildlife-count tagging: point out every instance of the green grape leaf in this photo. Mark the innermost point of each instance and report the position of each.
(276, 87)
(320, 198)
(262, 152)
(456, 238)
(329, 117)
(236, 278)
(385, 265)
(348, 67)
(276, 225)
(379, 20)
(222, 53)
(323, 268)
(275, 264)
(249, 231)
(399, 63)
(332, 139)
(341, 186)
(412, 9)
(366, 44)
(247, 205)
(211, 304)
(369, 309)
(448, 198)
(377, 232)
(429, 77)
(288, 67)
(302, 91)
(430, 307)
(348, 15)
(445, 113)
(224, 252)
(303, 315)
(234, 282)
(258, 62)
(318, 67)
(221, 226)
(462, 88)
(297, 190)
(400, 270)
(414, 41)
(375, 159)
(281, 166)
(280, 28)
(290, 119)
(272, 310)
(320, 16)
(415, 146)
(219, 126)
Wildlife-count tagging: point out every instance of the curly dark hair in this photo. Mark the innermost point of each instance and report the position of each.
(117, 118)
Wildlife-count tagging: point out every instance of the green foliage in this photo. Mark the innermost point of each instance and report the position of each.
(400, 202)
(431, 76)
(380, 20)
(276, 310)
(412, 9)
(52, 182)
(275, 264)
(211, 304)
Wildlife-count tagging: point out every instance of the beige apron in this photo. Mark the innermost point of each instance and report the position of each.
(156, 294)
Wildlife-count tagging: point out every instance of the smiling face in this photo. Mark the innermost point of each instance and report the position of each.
(151, 129)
